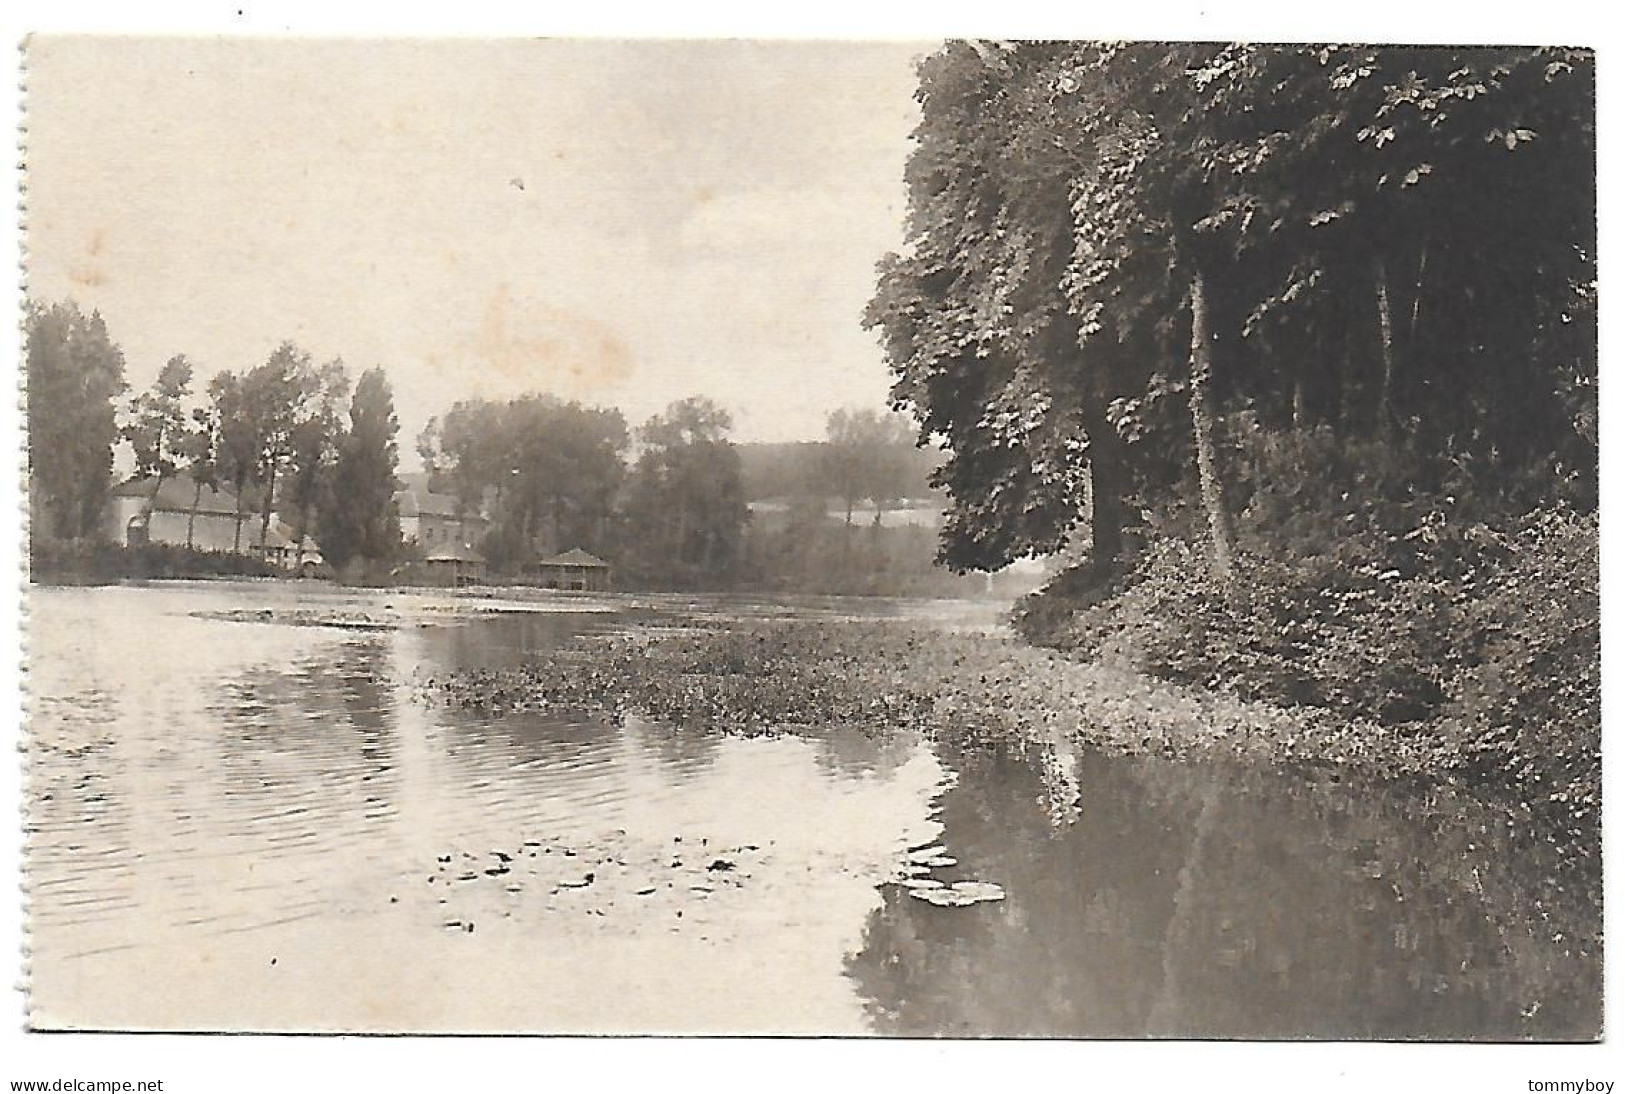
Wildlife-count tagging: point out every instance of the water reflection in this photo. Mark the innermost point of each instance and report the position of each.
(1226, 902)
(503, 639)
(257, 826)
(246, 833)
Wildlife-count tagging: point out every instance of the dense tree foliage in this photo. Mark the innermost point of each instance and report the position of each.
(157, 429)
(685, 511)
(1132, 268)
(866, 458)
(359, 519)
(546, 471)
(198, 449)
(314, 445)
(290, 408)
(273, 429)
(75, 372)
(234, 443)
(1291, 352)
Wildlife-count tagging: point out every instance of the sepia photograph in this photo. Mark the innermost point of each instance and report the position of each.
(949, 539)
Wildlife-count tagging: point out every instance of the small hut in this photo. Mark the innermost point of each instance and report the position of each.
(455, 564)
(575, 570)
(278, 547)
(308, 560)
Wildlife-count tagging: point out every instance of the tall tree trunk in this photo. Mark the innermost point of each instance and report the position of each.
(1316, 379)
(191, 517)
(1385, 329)
(152, 510)
(1347, 389)
(265, 510)
(1107, 513)
(1165, 1018)
(1416, 301)
(680, 535)
(1207, 454)
(237, 528)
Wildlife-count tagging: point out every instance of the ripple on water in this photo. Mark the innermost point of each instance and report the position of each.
(275, 791)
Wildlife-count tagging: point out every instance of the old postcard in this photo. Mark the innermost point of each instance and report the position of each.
(939, 539)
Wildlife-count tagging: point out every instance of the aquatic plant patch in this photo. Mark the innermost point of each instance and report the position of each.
(776, 676)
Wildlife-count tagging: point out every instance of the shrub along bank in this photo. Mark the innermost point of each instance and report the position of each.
(1482, 641)
(96, 562)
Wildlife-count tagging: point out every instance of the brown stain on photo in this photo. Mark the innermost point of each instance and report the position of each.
(88, 273)
(536, 346)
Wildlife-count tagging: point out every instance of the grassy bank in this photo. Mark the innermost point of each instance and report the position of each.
(1478, 644)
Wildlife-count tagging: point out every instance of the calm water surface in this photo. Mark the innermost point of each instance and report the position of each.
(256, 825)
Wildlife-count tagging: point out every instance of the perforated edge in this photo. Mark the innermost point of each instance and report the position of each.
(24, 981)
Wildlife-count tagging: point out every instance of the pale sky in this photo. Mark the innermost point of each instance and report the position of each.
(623, 223)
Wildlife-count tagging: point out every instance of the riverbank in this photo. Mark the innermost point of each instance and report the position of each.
(1481, 638)
(975, 689)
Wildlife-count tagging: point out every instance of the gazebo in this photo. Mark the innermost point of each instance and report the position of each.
(575, 569)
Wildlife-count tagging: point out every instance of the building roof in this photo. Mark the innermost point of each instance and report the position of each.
(415, 499)
(574, 557)
(278, 537)
(175, 495)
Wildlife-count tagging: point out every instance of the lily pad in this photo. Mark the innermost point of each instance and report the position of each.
(961, 894)
(943, 898)
(981, 890)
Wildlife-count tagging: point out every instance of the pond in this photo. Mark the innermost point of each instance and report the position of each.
(239, 820)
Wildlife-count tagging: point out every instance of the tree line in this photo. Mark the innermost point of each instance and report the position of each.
(276, 435)
(867, 463)
(669, 501)
(1151, 280)
(666, 502)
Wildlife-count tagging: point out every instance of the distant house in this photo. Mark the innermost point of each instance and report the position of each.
(454, 564)
(574, 569)
(180, 514)
(176, 512)
(435, 521)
